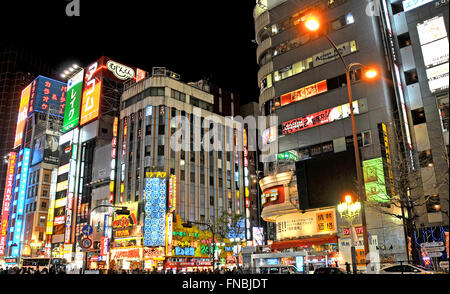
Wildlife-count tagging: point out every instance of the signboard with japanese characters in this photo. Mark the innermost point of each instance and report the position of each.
(311, 223)
(47, 96)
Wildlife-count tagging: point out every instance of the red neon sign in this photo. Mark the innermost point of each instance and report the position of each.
(274, 195)
(7, 201)
(305, 92)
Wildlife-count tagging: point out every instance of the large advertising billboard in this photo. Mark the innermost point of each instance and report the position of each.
(7, 201)
(155, 210)
(272, 196)
(73, 101)
(374, 180)
(23, 114)
(47, 96)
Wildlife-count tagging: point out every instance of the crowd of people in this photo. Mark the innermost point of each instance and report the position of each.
(32, 271)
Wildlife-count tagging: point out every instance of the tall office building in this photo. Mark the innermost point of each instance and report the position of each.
(164, 185)
(419, 54)
(17, 69)
(303, 83)
(36, 145)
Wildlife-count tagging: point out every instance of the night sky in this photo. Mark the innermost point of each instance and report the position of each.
(195, 38)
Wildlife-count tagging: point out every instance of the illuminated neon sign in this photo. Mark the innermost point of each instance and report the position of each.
(21, 199)
(91, 94)
(7, 201)
(155, 211)
(273, 195)
(304, 93)
(319, 118)
(73, 101)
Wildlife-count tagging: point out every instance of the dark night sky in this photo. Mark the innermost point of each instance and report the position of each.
(195, 38)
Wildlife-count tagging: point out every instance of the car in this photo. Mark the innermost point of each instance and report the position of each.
(329, 271)
(405, 269)
(285, 269)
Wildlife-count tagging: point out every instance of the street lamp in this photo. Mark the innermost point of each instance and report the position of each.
(312, 23)
(350, 210)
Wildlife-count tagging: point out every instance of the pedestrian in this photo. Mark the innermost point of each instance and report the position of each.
(347, 267)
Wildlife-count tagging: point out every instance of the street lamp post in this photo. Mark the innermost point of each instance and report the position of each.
(210, 227)
(313, 24)
(350, 210)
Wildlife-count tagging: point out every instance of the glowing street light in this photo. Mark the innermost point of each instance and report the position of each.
(313, 23)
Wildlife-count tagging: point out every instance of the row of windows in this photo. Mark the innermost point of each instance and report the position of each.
(286, 46)
(333, 83)
(308, 63)
(200, 103)
(152, 91)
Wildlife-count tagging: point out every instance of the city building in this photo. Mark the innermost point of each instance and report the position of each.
(418, 34)
(198, 184)
(17, 69)
(37, 154)
(303, 83)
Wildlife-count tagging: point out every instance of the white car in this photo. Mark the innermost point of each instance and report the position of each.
(405, 269)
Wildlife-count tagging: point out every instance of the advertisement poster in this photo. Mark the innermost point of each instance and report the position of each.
(155, 211)
(47, 96)
(90, 105)
(38, 150)
(374, 180)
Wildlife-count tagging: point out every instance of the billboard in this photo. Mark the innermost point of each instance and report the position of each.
(47, 95)
(23, 114)
(9, 183)
(304, 93)
(431, 30)
(311, 223)
(319, 118)
(374, 180)
(155, 211)
(38, 150)
(90, 105)
(21, 199)
(51, 151)
(73, 101)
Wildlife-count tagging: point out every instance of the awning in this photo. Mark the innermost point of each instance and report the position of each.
(304, 242)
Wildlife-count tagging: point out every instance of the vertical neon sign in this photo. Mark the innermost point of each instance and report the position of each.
(21, 200)
(7, 201)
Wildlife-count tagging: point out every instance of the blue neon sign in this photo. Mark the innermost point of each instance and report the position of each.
(155, 212)
(21, 200)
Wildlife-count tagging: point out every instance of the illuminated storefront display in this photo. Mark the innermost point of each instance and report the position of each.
(47, 95)
(319, 118)
(312, 223)
(155, 210)
(73, 100)
(374, 180)
(304, 93)
(9, 183)
(21, 200)
(23, 113)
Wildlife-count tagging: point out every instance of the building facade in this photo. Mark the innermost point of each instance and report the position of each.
(303, 83)
(199, 184)
(418, 32)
